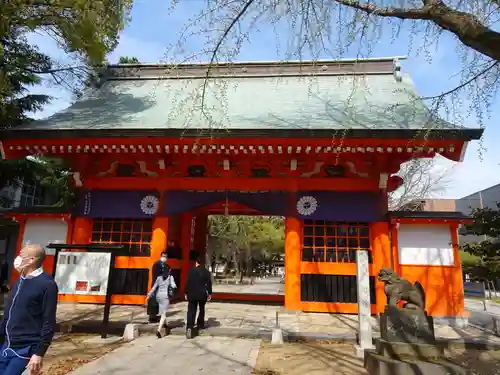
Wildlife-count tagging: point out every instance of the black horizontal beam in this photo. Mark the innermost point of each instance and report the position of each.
(90, 246)
(463, 134)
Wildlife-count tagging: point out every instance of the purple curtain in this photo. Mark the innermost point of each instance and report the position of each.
(118, 204)
(313, 205)
(338, 206)
(269, 203)
(306, 205)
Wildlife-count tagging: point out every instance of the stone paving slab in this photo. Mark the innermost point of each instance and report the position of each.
(248, 318)
(177, 356)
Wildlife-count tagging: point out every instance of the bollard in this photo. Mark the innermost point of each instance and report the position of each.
(131, 332)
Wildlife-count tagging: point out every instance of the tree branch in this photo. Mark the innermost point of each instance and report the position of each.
(461, 86)
(401, 13)
(466, 27)
(52, 71)
(233, 23)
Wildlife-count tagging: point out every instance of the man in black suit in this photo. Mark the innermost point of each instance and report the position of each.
(157, 271)
(197, 292)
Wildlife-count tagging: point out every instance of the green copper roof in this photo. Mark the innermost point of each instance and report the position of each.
(336, 102)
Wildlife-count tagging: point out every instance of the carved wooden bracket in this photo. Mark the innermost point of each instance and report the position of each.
(352, 169)
(77, 178)
(144, 169)
(315, 171)
(110, 170)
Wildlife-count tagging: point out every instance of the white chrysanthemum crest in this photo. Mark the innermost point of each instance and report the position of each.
(149, 204)
(307, 205)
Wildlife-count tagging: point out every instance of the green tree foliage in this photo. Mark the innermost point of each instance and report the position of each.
(244, 241)
(18, 61)
(128, 60)
(486, 224)
(51, 174)
(86, 30)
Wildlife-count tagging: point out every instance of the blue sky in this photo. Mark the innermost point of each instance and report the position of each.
(154, 27)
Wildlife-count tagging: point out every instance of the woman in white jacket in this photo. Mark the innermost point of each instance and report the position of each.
(162, 290)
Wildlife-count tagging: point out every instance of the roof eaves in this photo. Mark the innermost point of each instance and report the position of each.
(429, 134)
(444, 215)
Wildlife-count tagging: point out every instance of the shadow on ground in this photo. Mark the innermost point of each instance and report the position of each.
(330, 358)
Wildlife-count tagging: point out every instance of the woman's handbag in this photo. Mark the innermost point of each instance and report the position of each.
(171, 289)
(152, 306)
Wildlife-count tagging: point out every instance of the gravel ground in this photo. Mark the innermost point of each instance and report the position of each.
(330, 358)
(70, 351)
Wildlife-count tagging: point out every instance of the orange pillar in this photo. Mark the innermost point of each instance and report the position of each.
(381, 253)
(395, 249)
(457, 307)
(159, 241)
(293, 228)
(82, 230)
(186, 227)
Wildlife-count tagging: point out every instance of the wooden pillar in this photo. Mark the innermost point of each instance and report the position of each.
(19, 246)
(293, 228)
(159, 241)
(381, 252)
(186, 227)
(394, 249)
(457, 287)
(200, 234)
(82, 230)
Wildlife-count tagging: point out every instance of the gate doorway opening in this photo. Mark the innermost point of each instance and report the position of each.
(245, 254)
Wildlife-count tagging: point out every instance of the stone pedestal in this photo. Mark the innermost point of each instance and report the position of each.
(408, 346)
(406, 326)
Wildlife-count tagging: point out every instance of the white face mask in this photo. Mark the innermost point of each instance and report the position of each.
(18, 264)
(163, 259)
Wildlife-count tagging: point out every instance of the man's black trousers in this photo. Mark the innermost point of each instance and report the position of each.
(193, 305)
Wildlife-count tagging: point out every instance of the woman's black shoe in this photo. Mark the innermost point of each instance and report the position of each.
(158, 334)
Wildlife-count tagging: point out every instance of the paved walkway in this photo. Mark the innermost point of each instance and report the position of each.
(254, 319)
(478, 316)
(268, 286)
(177, 356)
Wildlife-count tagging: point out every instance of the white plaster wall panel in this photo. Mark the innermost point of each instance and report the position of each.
(428, 245)
(44, 232)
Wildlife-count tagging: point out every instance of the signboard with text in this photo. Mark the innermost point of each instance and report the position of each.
(83, 272)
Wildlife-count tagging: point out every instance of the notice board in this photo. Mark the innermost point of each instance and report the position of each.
(83, 272)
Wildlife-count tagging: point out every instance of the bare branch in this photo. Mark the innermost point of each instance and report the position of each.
(238, 16)
(401, 13)
(58, 70)
(421, 181)
(331, 28)
(469, 30)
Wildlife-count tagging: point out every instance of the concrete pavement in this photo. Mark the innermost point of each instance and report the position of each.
(478, 316)
(268, 286)
(177, 356)
(244, 320)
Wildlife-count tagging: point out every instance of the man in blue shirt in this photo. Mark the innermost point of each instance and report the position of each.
(29, 319)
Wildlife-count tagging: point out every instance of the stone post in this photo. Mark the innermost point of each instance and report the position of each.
(364, 306)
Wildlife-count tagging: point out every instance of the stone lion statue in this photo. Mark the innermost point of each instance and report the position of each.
(398, 289)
